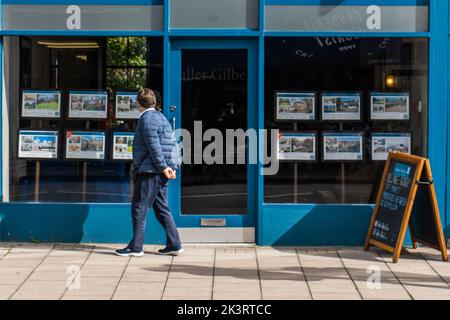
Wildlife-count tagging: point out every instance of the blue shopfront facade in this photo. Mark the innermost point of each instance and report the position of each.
(276, 46)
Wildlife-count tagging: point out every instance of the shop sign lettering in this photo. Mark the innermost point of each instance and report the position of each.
(73, 21)
(350, 20)
(374, 20)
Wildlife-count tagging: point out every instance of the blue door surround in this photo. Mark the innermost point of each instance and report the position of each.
(177, 45)
(290, 224)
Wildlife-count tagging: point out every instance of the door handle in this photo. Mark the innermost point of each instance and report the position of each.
(173, 123)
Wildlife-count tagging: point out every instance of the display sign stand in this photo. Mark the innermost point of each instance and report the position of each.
(406, 198)
(84, 181)
(37, 181)
(295, 175)
(341, 128)
(343, 182)
(37, 185)
(84, 197)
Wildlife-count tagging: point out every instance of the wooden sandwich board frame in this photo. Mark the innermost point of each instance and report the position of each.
(421, 164)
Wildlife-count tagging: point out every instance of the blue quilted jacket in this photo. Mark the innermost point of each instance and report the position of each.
(154, 146)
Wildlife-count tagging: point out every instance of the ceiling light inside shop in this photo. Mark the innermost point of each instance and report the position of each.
(73, 47)
(44, 43)
(70, 45)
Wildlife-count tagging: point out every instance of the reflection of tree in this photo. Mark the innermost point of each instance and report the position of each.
(127, 51)
(126, 63)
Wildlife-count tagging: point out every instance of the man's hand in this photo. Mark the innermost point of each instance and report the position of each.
(169, 173)
(133, 173)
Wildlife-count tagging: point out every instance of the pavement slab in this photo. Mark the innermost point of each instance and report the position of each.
(7, 290)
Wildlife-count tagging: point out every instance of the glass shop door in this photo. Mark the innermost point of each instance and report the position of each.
(213, 95)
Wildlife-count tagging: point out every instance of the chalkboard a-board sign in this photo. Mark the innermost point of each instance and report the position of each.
(406, 198)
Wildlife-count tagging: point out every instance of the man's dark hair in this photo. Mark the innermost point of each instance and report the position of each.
(146, 98)
(158, 105)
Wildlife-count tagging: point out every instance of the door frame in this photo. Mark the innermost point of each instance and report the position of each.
(174, 95)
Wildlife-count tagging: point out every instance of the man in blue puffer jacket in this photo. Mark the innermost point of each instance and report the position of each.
(156, 158)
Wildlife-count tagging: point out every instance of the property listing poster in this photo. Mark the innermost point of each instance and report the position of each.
(38, 144)
(341, 106)
(123, 145)
(296, 106)
(88, 105)
(297, 146)
(85, 145)
(126, 105)
(343, 146)
(383, 143)
(41, 104)
(389, 106)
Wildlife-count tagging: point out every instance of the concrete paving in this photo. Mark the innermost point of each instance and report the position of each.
(205, 272)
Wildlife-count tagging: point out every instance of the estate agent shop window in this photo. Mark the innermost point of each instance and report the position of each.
(341, 104)
(72, 112)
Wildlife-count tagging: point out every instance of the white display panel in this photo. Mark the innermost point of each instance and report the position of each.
(41, 103)
(383, 143)
(88, 105)
(85, 145)
(123, 145)
(34, 144)
(389, 106)
(295, 106)
(342, 146)
(297, 146)
(126, 105)
(344, 106)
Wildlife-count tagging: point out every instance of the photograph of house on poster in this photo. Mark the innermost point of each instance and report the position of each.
(383, 143)
(38, 144)
(389, 106)
(295, 106)
(41, 104)
(126, 105)
(85, 145)
(297, 146)
(123, 145)
(342, 146)
(341, 106)
(88, 105)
